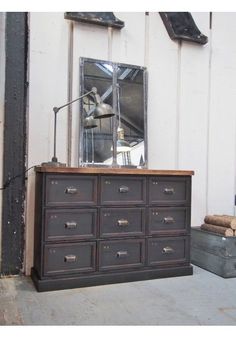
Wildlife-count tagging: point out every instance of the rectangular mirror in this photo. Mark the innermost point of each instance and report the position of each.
(118, 140)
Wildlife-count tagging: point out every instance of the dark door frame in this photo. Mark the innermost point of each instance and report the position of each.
(14, 147)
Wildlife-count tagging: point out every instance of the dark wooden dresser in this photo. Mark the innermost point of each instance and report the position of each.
(98, 226)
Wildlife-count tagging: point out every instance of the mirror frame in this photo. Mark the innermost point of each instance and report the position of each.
(115, 65)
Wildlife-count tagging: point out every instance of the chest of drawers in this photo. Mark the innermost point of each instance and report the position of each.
(98, 226)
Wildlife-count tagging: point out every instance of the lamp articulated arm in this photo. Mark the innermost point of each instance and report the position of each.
(56, 110)
(102, 110)
(92, 91)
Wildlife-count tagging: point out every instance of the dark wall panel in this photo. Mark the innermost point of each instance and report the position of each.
(14, 143)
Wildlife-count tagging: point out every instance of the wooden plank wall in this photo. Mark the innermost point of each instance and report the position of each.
(191, 98)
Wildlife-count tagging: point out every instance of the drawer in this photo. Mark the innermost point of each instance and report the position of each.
(70, 190)
(123, 190)
(122, 222)
(64, 224)
(170, 190)
(168, 250)
(121, 254)
(69, 258)
(169, 220)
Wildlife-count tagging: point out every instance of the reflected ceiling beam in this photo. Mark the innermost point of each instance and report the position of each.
(135, 74)
(131, 125)
(124, 74)
(126, 121)
(108, 92)
(104, 69)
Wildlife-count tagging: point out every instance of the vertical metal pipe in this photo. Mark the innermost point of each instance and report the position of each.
(69, 90)
(146, 42)
(81, 129)
(115, 122)
(110, 37)
(178, 106)
(86, 146)
(145, 87)
(92, 146)
(55, 136)
(209, 111)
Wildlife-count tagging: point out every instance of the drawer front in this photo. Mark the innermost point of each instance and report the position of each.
(72, 190)
(66, 224)
(123, 190)
(170, 190)
(168, 250)
(69, 258)
(122, 222)
(169, 220)
(121, 254)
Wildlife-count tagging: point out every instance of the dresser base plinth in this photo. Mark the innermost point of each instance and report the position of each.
(108, 278)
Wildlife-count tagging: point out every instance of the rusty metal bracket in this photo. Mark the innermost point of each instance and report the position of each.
(181, 26)
(98, 18)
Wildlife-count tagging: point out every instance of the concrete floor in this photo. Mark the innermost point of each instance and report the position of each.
(201, 299)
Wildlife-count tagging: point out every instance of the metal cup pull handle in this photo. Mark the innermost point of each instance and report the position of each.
(122, 254)
(168, 220)
(167, 250)
(70, 258)
(123, 189)
(122, 222)
(169, 191)
(70, 225)
(71, 190)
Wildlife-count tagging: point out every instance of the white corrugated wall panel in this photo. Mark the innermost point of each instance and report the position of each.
(221, 155)
(192, 149)
(89, 41)
(163, 81)
(48, 51)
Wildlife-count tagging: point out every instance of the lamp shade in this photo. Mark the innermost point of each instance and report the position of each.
(103, 110)
(89, 122)
(122, 146)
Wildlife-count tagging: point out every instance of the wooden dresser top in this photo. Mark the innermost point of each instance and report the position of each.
(112, 171)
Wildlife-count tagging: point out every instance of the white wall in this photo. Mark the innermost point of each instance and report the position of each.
(191, 104)
(2, 92)
(48, 49)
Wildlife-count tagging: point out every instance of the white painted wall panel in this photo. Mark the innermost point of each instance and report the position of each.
(221, 170)
(90, 41)
(162, 64)
(193, 116)
(48, 84)
(128, 43)
(48, 50)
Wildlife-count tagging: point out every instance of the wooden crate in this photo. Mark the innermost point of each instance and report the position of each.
(213, 252)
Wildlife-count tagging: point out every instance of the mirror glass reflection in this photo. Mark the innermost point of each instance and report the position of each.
(117, 139)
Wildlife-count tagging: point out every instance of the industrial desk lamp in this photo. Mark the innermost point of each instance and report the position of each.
(102, 110)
